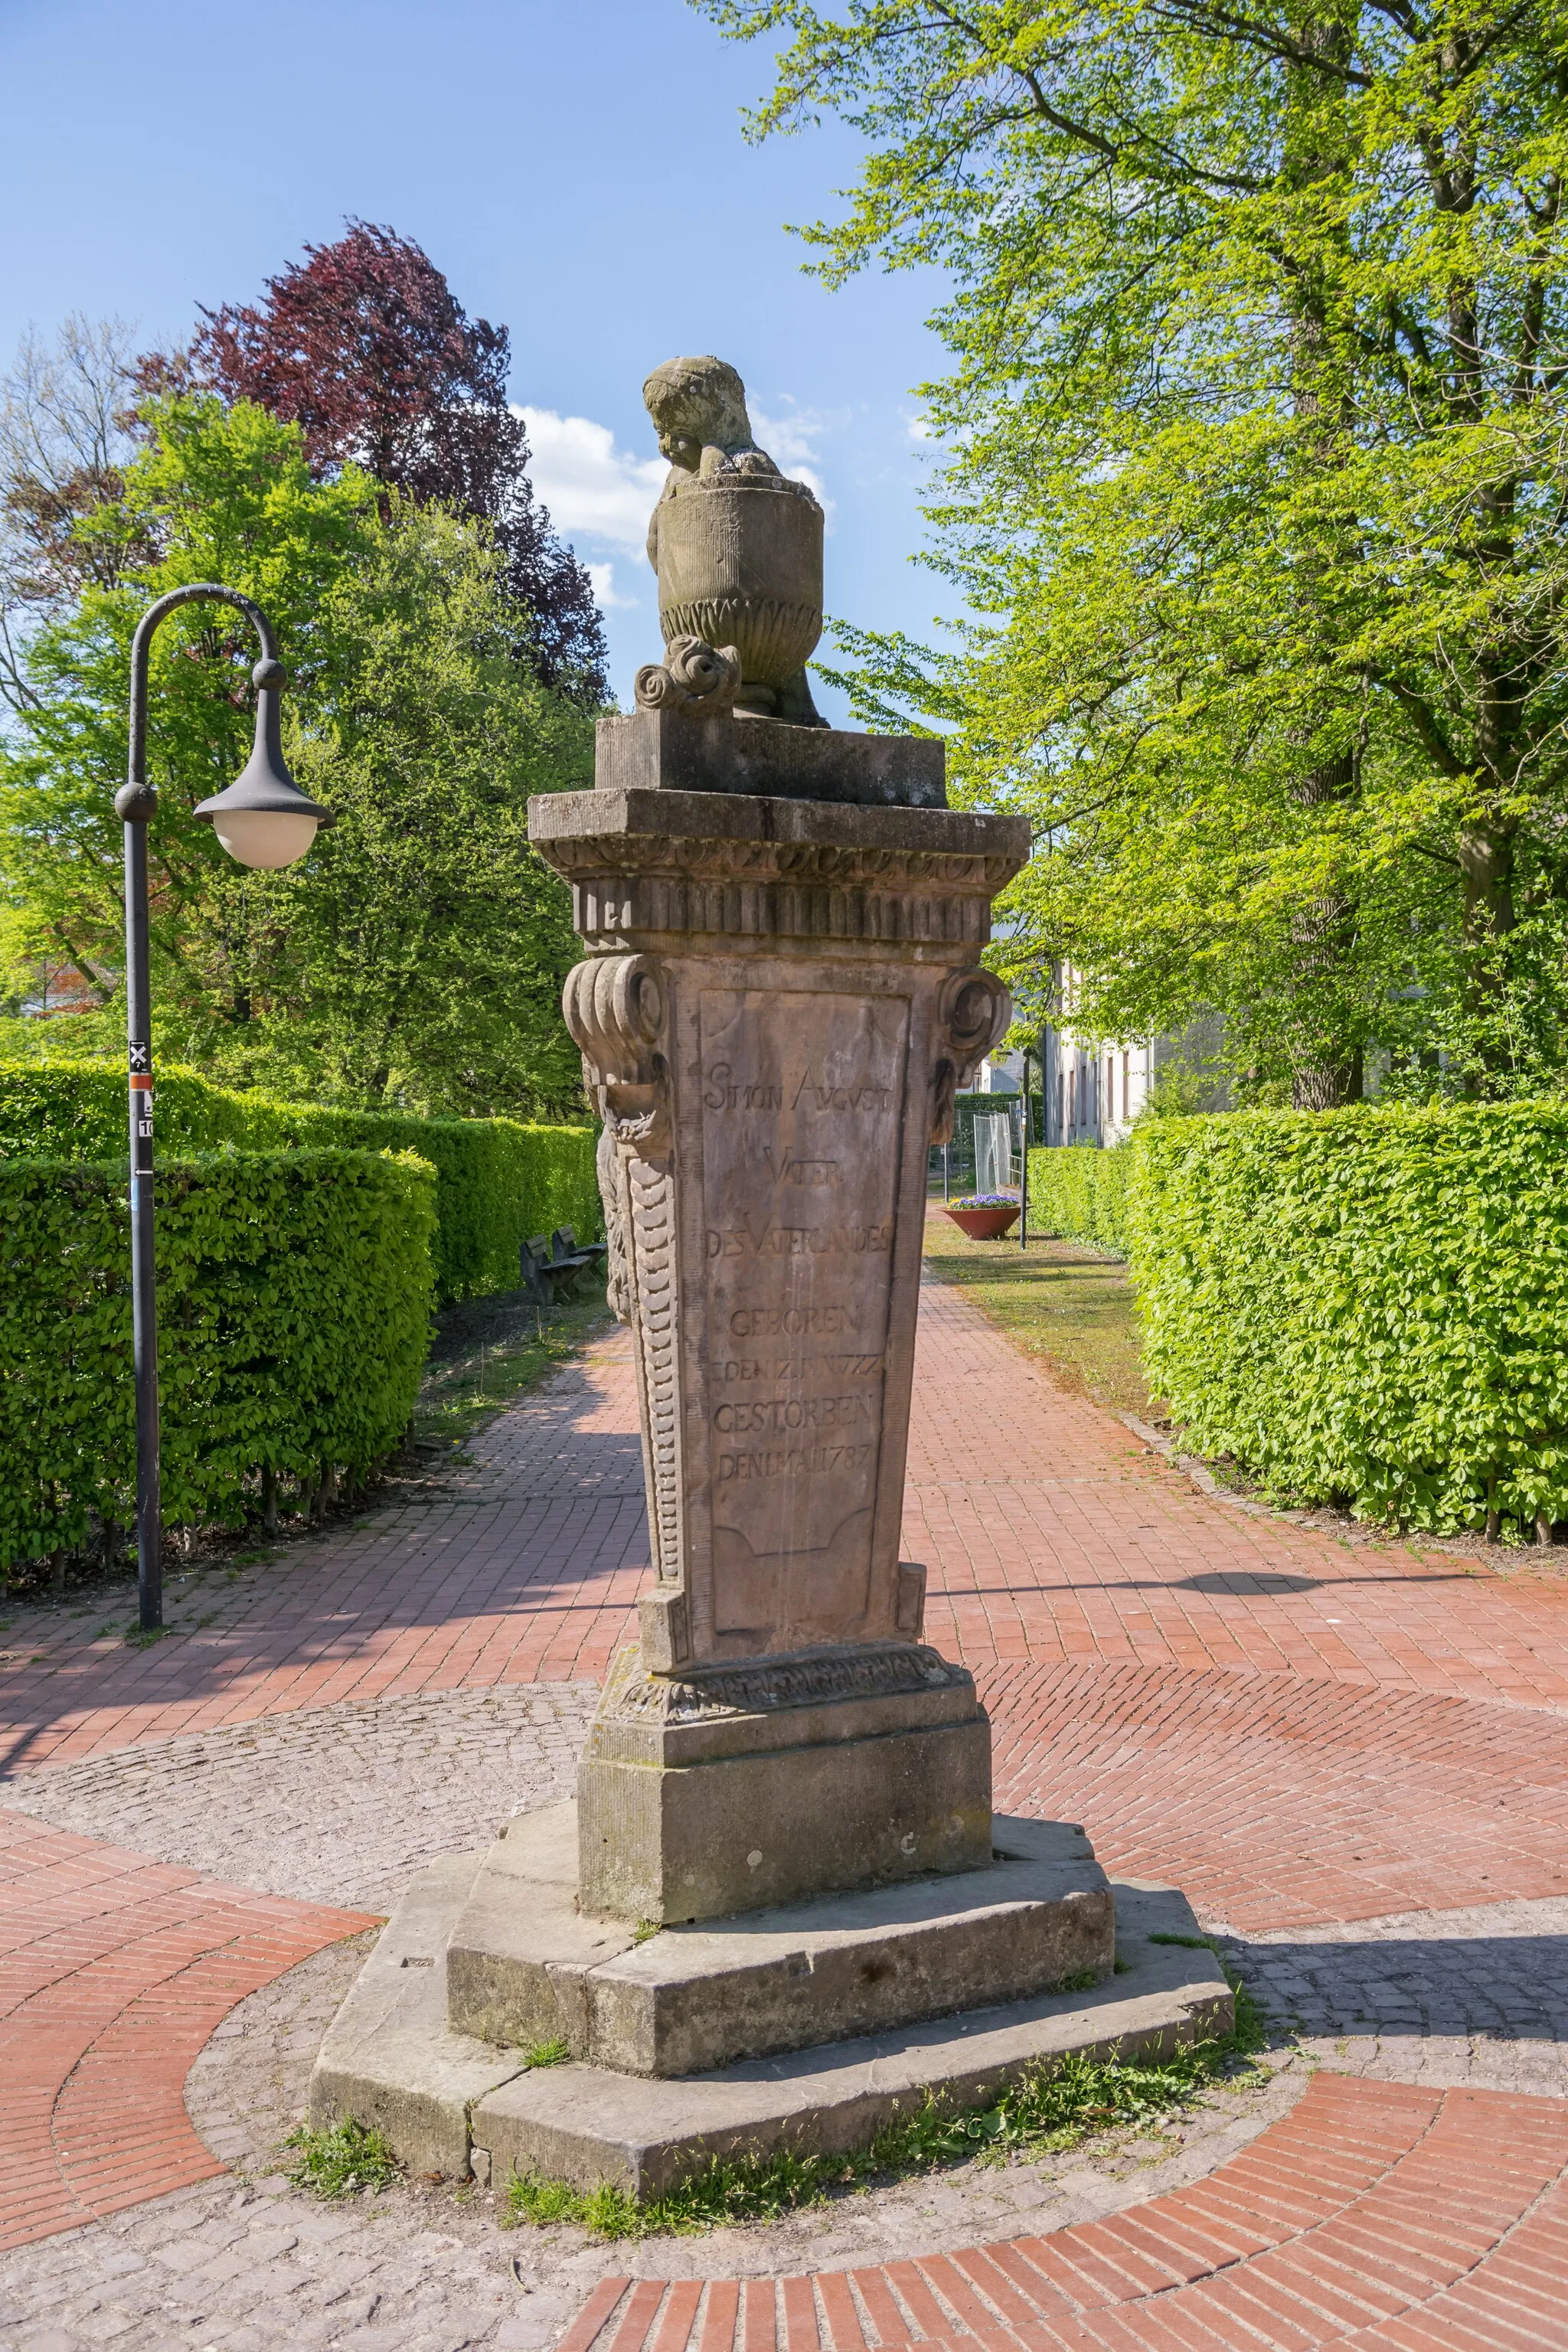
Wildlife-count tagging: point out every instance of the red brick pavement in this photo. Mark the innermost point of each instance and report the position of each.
(526, 1571)
(113, 1972)
(1372, 2215)
(1052, 1537)
(1295, 1727)
(1276, 1802)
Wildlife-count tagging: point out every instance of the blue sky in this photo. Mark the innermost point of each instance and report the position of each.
(577, 169)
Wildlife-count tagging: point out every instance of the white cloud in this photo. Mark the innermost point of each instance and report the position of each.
(593, 489)
(790, 441)
(602, 576)
(596, 493)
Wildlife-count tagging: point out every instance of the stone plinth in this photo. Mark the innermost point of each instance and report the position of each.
(667, 749)
(781, 999)
(448, 2102)
(704, 1794)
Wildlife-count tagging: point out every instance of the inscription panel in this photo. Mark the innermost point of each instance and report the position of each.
(802, 1110)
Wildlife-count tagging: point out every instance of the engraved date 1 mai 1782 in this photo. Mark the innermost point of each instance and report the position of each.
(802, 1106)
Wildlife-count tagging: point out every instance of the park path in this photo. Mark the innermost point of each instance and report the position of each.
(1306, 1729)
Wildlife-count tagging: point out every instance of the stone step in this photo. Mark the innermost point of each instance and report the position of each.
(524, 1966)
(390, 2057)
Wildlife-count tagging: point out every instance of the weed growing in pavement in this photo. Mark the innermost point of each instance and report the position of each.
(342, 2161)
(1080, 1980)
(1050, 2107)
(554, 2052)
(647, 1929)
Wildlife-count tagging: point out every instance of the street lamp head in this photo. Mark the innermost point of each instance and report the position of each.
(264, 819)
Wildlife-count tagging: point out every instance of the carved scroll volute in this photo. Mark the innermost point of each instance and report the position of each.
(615, 1009)
(974, 1014)
(618, 1009)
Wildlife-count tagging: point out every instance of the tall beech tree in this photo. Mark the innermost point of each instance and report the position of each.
(364, 346)
(1254, 490)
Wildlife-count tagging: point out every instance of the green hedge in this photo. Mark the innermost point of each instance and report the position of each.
(1081, 1191)
(1367, 1307)
(499, 1181)
(294, 1292)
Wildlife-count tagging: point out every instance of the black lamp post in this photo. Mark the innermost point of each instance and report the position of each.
(262, 820)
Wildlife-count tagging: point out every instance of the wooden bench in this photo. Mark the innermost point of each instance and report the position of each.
(551, 1264)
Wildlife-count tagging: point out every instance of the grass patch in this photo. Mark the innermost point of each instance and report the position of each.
(489, 1351)
(554, 2052)
(1058, 1300)
(647, 1929)
(1052, 2106)
(342, 2161)
(1188, 1943)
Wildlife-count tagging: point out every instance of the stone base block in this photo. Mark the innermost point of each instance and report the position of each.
(446, 2102)
(525, 1965)
(701, 1795)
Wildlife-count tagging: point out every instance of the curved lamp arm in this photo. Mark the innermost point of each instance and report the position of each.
(136, 799)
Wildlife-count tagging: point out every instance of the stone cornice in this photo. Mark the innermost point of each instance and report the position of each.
(650, 861)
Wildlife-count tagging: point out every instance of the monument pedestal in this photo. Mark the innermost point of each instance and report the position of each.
(703, 1794)
(780, 1907)
(781, 999)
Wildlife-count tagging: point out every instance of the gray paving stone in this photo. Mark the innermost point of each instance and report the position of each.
(1471, 1997)
(337, 1804)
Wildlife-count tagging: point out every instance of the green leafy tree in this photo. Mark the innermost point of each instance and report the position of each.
(1254, 493)
(416, 954)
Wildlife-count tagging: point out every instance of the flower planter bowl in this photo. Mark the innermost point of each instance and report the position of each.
(985, 1225)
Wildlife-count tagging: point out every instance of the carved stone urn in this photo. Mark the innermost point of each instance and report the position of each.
(740, 563)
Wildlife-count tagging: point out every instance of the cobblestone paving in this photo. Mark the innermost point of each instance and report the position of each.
(256, 2267)
(1471, 1998)
(1477, 1997)
(338, 1804)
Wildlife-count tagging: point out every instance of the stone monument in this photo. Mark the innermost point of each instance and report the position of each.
(781, 1902)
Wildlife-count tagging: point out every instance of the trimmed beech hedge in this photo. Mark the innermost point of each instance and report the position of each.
(294, 1291)
(498, 1180)
(1365, 1306)
(1080, 1192)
